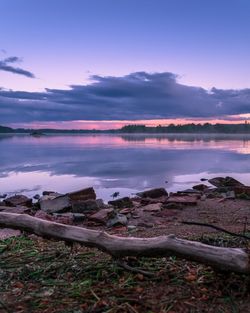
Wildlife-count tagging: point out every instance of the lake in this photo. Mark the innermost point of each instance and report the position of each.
(123, 163)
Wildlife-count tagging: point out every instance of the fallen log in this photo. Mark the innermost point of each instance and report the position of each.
(226, 259)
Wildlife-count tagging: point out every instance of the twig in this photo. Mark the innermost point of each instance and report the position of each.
(217, 228)
(124, 265)
(95, 295)
(131, 308)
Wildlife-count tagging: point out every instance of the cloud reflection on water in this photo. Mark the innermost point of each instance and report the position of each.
(127, 162)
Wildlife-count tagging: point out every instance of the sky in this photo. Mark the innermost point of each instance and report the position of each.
(107, 63)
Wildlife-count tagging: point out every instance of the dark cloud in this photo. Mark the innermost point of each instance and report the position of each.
(135, 96)
(12, 60)
(4, 66)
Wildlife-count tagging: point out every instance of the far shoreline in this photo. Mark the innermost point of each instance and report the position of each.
(204, 135)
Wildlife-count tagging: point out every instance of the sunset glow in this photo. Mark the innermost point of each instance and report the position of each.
(105, 125)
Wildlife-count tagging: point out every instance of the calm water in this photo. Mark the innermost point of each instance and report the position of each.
(124, 163)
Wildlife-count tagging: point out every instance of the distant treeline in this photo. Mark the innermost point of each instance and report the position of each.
(206, 128)
(6, 130)
(189, 128)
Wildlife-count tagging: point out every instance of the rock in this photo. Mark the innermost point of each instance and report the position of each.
(126, 210)
(131, 227)
(200, 187)
(8, 233)
(242, 190)
(101, 216)
(188, 191)
(64, 219)
(145, 201)
(186, 200)
(153, 193)
(36, 197)
(78, 217)
(18, 200)
(156, 207)
(50, 196)
(136, 199)
(121, 203)
(225, 182)
(223, 189)
(212, 195)
(211, 190)
(45, 216)
(49, 193)
(229, 195)
(83, 194)
(59, 218)
(3, 196)
(217, 181)
(136, 204)
(16, 209)
(118, 219)
(55, 205)
(67, 214)
(203, 197)
(101, 204)
(243, 196)
(70, 217)
(85, 207)
(172, 206)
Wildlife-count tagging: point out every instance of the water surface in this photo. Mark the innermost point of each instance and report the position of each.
(124, 163)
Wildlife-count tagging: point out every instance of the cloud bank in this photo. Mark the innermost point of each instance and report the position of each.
(5, 66)
(136, 96)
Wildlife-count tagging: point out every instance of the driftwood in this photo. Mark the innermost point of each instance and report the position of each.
(230, 259)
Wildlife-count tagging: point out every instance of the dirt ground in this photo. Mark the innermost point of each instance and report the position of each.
(229, 214)
(232, 215)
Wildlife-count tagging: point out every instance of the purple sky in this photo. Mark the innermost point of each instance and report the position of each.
(51, 49)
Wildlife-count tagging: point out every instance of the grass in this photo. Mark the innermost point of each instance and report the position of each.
(37, 275)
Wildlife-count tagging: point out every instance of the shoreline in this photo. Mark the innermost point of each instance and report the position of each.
(224, 202)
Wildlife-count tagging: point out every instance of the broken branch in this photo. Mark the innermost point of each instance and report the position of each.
(217, 228)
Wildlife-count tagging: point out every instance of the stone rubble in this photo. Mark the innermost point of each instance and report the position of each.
(55, 204)
(101, 216)
(121, 203)
(148, 209)
(18, 200)
(153, 193)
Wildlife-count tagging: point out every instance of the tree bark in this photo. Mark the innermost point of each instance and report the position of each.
(227, 259)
